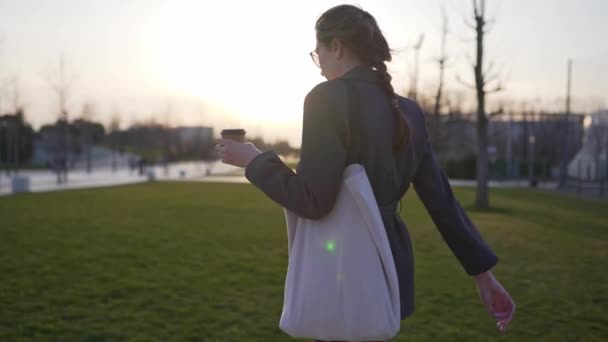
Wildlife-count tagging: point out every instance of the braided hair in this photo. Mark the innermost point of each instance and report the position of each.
(359, 32)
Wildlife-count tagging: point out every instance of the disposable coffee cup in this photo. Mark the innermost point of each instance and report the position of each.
(234, 134)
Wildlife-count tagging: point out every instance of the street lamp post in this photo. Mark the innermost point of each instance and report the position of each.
(563, 174)
(533, 182)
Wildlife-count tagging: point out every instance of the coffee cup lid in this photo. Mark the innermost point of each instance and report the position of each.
(233, 131)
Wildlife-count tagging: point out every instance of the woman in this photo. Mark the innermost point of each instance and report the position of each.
(388, 137)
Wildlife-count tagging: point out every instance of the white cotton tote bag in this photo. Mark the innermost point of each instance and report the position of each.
(341, 279)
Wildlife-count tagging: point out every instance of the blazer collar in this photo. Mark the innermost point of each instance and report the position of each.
(363, 73)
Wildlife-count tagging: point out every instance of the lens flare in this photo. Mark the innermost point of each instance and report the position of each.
(330, 246)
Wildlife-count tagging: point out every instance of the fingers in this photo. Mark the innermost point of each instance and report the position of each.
(223, 147)
(505, 317)
(224, 143)
(504, 312)
(222, 150)
(234, 152)
(224, 154)
(227, 142)
(503, 325)
(500, 316)
(509, 306)
(221, 143)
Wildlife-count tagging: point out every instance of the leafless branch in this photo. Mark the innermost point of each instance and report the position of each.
(59, 80)
(489, 68)
(488, 27)
(495, 90)
(497, 112)
(468, 24)
(475, 8)
(461, 81)
(490, 78)
(464, 39)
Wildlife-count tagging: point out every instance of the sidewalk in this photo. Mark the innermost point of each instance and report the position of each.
(215, 172)
(46, 180)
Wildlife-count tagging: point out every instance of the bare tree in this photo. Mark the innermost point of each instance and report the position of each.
(441, 61)
(2, 85)
(15, 93)
(413, 93)
(87, 114)
(114, 125)
(167, 137)
(19, 118)
(10, 90)
(58, 79)
(483, 81)
(114, 128)
(563, 176)
(1, 98)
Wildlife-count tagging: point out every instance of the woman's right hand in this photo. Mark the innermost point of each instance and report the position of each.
(496, 299)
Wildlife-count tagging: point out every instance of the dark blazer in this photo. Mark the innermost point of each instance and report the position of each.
(350, 120)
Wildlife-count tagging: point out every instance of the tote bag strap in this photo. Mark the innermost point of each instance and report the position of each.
(355, 134)
(353, 141)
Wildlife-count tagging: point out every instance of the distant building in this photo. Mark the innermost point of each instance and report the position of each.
(48, 147)
(537, 136)
(590, 162)
(42, 153)
(195, 134)
(514, 140)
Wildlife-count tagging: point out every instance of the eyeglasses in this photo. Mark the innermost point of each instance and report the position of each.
(315, 58)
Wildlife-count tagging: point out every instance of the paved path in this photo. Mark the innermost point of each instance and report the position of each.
(44, 180)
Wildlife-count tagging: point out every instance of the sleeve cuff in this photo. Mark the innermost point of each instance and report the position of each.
(256, 166)
(484, 267)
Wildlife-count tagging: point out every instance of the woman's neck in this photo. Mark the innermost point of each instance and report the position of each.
(348, 65)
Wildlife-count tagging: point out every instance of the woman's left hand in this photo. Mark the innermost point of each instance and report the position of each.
(496, 299)
(236, 153)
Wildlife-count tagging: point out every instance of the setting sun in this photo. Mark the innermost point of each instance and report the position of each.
(250, 77)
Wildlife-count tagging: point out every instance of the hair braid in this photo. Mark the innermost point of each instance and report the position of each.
(359, 31)
(401, 129)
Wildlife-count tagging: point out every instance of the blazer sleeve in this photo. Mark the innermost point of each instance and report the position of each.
(460, 234)
(312, 191)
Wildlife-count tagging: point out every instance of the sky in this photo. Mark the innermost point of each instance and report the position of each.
(245, 63)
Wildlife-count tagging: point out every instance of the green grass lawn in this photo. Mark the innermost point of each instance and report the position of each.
(206, 262)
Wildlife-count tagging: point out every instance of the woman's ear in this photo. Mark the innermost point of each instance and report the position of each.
(337, 47)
